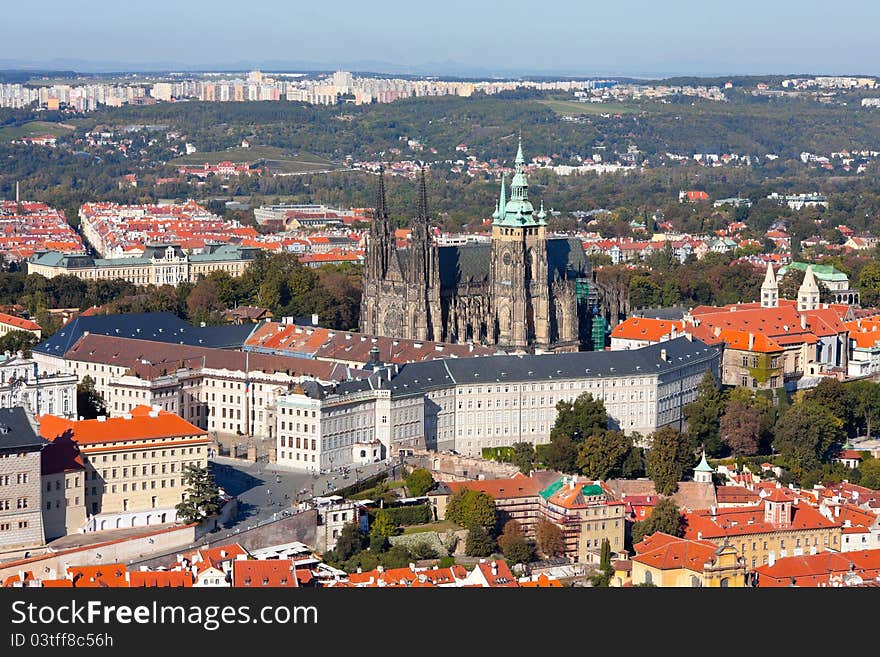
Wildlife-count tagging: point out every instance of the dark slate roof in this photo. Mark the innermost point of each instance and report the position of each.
(417, 378)
(157, 327)
(316, 390)
(566, 258)
(219, 337)
(671, 313)
(17, 432)
(459, 264)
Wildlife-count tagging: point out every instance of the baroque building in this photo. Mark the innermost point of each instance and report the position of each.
(524, 291)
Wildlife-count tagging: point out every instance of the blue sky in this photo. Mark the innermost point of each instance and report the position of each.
(626, 37)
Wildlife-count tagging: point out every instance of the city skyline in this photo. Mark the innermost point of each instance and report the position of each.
(641, 40)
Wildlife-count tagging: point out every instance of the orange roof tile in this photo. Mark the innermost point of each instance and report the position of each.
(274, 573)
(113, 430)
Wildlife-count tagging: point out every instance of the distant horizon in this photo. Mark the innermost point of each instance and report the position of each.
(454, 70)
(639, 39)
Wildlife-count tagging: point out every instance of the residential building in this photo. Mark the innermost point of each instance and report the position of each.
(586, 514)
(63, 483)
(781, 525)
(821, 570)
(666, 561)
(134, 465)
(583, 510)
(333, 514)
(21, 519)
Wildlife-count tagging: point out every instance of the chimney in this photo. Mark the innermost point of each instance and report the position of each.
(314, 319)
(836, 511)
(751, 341)
(803, 322)
(412, 567)
(663, 354)
(494, 569)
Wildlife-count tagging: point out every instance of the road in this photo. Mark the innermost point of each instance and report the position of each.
(264, 490)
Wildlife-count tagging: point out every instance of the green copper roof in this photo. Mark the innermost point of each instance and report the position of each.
(592, 490)
(822, 272)
(518, 211)
(550, 491)
(704, 465)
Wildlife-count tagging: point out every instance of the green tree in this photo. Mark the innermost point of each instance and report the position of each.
(419, 482)
(561, 454)
(16, 341)
(634, 463)
(703, 416)
(865, 396)
(805, 433)
(513, 543)
(524, 457)
(665, 517)
(549, 538)
(479, 542)
(201, 499)
(601, 455)
(605, 555)
(668, 458)
(349, 542)
(382, 527)
(574, 422)
(580, 418)
(741, 428)
(469, 507)
(870, 470)
(836, 397)
(203, 303)
(397, 556)
(89, 403)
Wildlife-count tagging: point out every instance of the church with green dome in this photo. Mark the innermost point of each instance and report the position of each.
(522, 291)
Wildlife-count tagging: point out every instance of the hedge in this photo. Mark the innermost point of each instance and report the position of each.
(408, 515)
(501, 454)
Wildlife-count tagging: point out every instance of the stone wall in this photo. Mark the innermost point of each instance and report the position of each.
(51, 566)
(451, 467)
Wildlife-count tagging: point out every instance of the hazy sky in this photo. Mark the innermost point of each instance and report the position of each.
(565, 36)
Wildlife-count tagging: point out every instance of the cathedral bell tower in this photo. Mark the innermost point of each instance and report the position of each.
(380, 249)
(518, 275)
(422, 274)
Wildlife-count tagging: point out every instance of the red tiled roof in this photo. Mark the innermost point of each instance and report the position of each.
(274, 573)
(160, 579)
(735, 494)
(737, 521)
(517, 486)
(112, 575)
(112, 430)
(671, 552)
(19, 322)
(817, 569)
(646, 328)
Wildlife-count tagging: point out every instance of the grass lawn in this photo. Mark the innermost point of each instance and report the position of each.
(441, 527)
(574, 108)
(278, 159)
(34, 129)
